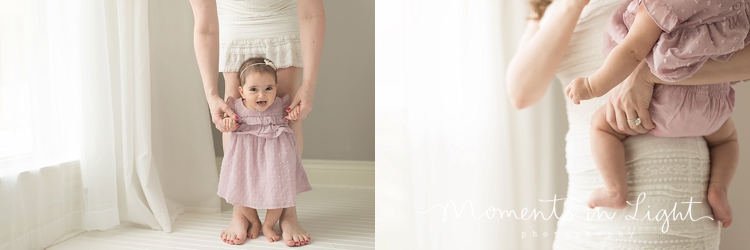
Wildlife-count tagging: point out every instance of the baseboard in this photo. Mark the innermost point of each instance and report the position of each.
(67, 236)
(337, 173)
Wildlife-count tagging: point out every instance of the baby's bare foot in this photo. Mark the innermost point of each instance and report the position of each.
(236, 232)
(717, 198)
(270, 234)
(603, 198)
(293, 233)
(252, 231)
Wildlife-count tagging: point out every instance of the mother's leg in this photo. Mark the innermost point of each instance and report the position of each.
(231, 83)
(245, 221)
(288, 80)
(292, 232)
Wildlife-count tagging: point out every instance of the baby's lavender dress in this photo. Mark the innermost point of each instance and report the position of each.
(261, 167)
(694, 32)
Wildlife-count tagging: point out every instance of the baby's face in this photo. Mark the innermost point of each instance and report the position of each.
(259, 91)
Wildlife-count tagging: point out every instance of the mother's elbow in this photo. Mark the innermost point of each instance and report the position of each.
(519, 101)
(518, 98)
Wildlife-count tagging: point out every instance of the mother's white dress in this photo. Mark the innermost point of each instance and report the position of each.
(665, 172)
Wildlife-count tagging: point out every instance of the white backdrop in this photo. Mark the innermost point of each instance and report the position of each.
(449, 145)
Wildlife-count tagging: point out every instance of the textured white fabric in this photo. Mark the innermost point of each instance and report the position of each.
(258, 28)
(668, 171)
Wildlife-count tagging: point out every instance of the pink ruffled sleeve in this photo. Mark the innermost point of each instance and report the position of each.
(662, 12)
(231, 102)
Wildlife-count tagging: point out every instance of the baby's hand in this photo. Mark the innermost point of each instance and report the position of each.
(231, 124)
(293, 114)
(579, 90)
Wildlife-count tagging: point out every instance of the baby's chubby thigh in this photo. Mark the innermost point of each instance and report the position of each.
(684, 111)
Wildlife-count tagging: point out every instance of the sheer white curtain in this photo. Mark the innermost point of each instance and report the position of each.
(449, 146)
(79, 79)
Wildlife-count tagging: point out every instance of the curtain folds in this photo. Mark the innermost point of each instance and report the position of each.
(90, 63)
(120, 180)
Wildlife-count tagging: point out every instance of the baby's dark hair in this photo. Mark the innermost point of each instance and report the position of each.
(256, 65)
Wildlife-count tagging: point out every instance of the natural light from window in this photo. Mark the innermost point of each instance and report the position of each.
(40, 94)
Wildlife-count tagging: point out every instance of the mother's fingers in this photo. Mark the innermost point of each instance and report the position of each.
(635, 121)
(610, 115)
(304, 110)
(645, 116)
(295, 102)
(219, 123)
(621, 122)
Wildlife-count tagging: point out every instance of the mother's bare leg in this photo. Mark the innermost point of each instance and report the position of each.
(292, 232)
(239, 226)
(236, 232)
(288, 80)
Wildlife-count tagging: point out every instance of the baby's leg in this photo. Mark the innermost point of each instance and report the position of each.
(725, 153)
(252, 216)
(609, 156)
(272, 216)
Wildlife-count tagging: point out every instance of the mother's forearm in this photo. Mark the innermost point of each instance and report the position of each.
(206, 52)
(533, 66)
(312, 29)
(737, 68)
(206, 44)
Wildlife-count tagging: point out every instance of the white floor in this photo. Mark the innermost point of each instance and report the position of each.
(335, 218)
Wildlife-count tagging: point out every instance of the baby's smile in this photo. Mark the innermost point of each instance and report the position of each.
(259, 91)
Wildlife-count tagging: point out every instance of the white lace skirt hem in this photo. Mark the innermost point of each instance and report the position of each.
(284, 51)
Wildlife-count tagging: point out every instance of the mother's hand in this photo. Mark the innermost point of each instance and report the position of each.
(303, 98)
(218, 109)
(630, 101)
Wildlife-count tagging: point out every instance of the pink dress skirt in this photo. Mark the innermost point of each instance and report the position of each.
(694, 32)
(261, 167)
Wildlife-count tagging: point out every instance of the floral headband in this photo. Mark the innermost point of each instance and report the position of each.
(265, 62)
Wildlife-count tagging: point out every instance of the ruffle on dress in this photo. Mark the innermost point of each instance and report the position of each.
(266, 124)
(694, 31)
(284, 51)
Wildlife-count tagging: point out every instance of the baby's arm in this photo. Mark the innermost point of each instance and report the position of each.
(293, 114)
(621, 61)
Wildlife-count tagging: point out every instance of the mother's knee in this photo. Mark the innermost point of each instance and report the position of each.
(288, 80)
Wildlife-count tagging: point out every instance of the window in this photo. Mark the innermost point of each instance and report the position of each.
(40, 92)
